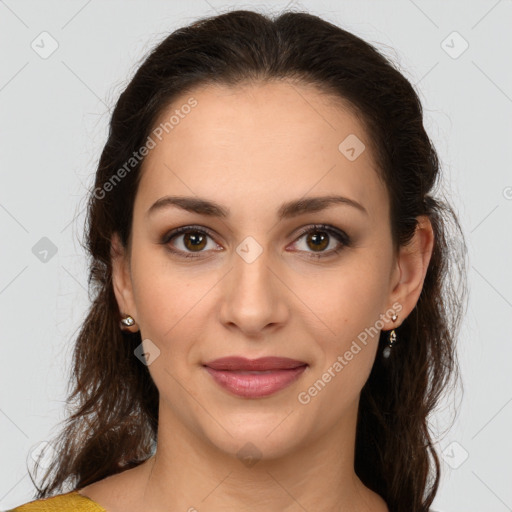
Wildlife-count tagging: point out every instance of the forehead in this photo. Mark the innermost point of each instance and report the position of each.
(261, 142)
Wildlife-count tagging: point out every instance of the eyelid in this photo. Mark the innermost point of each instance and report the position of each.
(322, 227)
(168, 236)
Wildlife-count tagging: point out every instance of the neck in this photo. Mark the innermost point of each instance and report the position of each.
(189, 473)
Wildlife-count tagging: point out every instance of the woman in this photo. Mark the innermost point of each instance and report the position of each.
(273, 320)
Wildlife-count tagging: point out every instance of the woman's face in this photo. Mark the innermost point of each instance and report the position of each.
(250, 283)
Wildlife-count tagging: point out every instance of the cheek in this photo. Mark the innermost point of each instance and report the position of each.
(347, 346)
(346, 325)
(160, 299)
(346, 300)
(170, 301)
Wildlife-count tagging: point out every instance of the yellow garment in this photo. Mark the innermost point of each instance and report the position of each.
(68, 502)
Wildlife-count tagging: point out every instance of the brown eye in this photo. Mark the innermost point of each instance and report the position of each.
(318, 238)
(194, 241)
(187, 240)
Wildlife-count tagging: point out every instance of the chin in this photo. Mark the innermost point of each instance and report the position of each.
(254, 436)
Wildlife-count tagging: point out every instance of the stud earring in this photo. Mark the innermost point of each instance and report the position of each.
(126, 321)
(392, 338)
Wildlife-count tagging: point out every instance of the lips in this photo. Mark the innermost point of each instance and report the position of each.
(256, 378)
(236, 363)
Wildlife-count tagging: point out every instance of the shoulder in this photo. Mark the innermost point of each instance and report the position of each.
(67, 502)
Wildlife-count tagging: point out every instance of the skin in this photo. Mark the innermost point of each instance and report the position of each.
(250, 149)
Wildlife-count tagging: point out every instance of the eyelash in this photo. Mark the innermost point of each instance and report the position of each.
(339, 235)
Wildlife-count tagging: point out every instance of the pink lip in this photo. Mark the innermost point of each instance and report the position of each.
(260, 364)
(245, 377)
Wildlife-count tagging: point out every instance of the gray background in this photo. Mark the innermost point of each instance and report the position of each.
(53, 122)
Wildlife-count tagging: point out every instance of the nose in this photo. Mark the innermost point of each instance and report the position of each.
(254, 296)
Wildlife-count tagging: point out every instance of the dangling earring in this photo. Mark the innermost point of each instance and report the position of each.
(392, 338)
(126, 321)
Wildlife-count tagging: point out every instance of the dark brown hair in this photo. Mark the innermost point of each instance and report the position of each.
(113, 422)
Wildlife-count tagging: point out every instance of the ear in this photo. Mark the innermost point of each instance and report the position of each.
(412, 265)
(122, 282)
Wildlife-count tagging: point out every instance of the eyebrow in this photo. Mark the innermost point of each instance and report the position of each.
(287, 210)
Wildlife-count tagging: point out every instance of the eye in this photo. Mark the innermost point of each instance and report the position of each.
(191, 239)
(319, 237)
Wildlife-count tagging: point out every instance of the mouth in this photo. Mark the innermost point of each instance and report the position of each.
(255, 378)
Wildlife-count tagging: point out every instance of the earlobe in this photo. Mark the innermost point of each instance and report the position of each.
(121, 282)
(413, 263)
